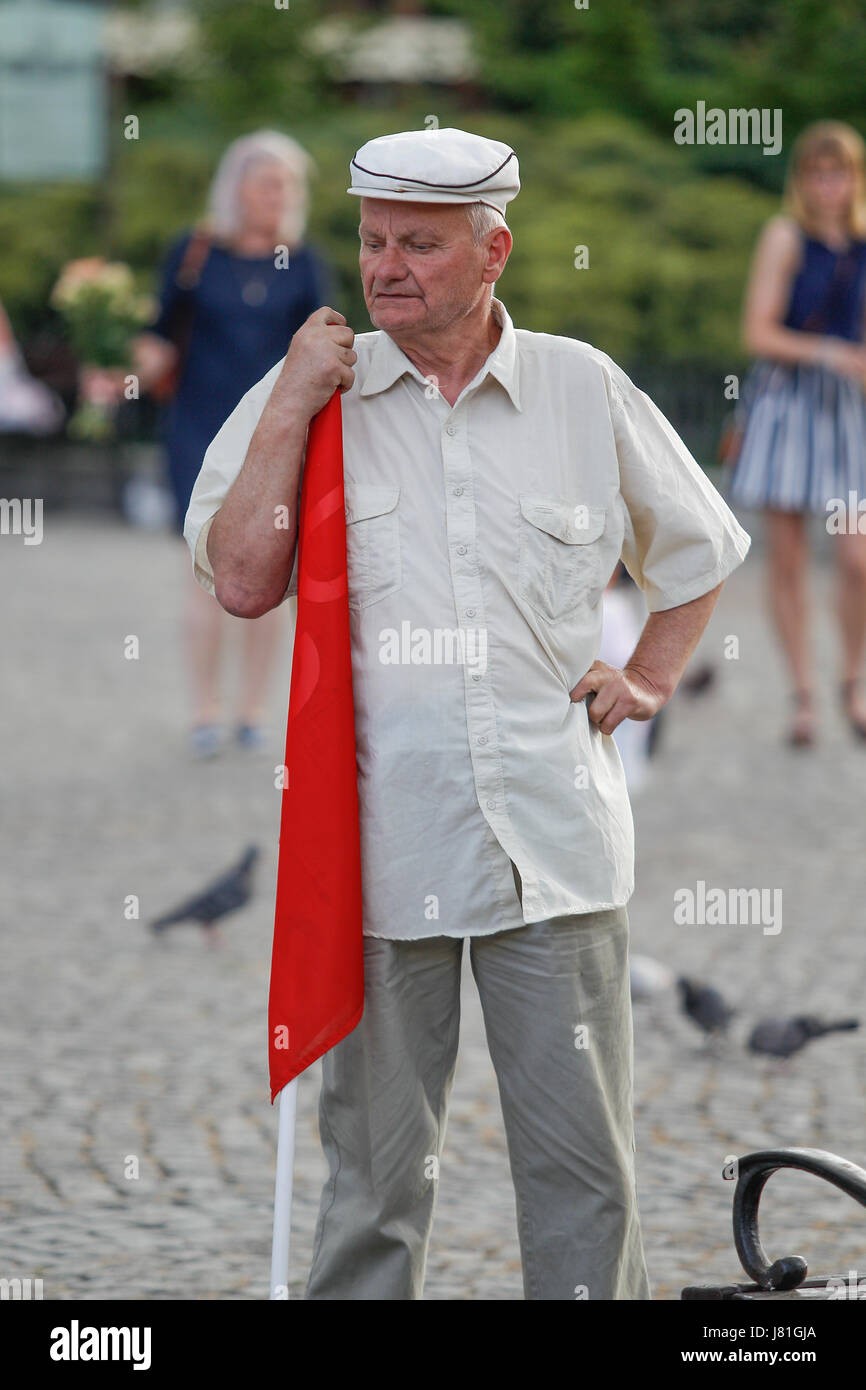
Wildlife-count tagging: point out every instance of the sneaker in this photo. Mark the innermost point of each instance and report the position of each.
(205, 740)
(252, 737)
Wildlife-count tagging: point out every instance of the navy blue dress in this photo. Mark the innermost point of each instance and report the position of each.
(804, 440)
(245, 314)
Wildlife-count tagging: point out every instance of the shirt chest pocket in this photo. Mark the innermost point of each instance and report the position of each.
(560, 554)
(372, 543)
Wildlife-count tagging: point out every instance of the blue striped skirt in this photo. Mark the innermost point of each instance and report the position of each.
(804, 439)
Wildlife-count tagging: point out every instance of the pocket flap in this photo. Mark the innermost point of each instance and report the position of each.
(364, 500)
(572, 522)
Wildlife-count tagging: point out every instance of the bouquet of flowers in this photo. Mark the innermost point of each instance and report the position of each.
(102, 312)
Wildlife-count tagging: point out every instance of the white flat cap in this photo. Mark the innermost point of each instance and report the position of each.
(436, 166)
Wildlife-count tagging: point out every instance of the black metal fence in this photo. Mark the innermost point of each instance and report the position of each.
(692, 397)
(67, 474)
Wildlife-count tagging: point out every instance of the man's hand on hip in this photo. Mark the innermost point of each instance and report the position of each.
(653, 671)
(618, 695)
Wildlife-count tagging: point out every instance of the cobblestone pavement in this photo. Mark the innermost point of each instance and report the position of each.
(119, 1047)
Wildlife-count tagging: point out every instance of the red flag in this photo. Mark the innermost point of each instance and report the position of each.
(317, 964)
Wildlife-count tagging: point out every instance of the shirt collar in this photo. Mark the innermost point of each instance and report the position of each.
(388, 362)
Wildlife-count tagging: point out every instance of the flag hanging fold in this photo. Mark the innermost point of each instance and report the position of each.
(317, 963)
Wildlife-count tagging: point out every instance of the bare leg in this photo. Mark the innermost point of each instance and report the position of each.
(205, 624)
(787, 566)
(851, 608)
(262, 640)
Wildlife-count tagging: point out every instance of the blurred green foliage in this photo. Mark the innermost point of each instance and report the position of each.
(587, 98)
(647, 59)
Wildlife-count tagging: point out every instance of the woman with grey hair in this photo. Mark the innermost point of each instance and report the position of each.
(234, 290)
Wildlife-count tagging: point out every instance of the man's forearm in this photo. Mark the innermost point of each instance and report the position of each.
(668, 640)
(251, 556)
(251, 541)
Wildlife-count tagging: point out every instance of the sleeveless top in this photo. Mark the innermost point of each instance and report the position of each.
(830, 286)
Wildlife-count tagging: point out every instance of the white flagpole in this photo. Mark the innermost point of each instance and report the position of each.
(283, 1191)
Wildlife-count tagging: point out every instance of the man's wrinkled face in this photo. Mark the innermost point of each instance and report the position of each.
(420, 268)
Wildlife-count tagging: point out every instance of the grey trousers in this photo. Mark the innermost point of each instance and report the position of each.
(557, 1013)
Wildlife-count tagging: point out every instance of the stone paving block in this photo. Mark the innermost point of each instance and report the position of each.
(119, 1043)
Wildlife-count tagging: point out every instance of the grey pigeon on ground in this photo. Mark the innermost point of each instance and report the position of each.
(704, 1006)
(782, 1037)
(226, 894)
(698, 681)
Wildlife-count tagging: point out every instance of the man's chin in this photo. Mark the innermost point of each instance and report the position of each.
(394, 310)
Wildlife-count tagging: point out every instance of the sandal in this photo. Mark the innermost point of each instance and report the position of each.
(802, 732)
(846, 690)
(205, 740)
(252, 737)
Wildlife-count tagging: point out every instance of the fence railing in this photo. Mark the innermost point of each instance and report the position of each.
(67, 474)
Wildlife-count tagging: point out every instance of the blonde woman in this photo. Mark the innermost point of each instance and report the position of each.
(804, 441)
(229, 306)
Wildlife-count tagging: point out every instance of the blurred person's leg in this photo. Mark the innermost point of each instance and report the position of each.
(621, 630)
(263, 640)
(205, 625)
(787, 581)
(851, 607)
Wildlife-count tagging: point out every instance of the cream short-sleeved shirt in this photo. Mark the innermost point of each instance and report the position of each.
(480, 538)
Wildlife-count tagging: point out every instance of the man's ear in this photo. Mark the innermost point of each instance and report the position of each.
(498, 251)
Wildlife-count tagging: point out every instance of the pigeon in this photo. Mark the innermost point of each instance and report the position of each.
(700, 680)
(782, 1037)
(226, 894)
(705, 1006)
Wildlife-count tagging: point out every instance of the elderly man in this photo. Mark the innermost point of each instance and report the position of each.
(493, 478)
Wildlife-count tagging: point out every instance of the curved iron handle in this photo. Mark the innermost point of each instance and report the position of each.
(754, 1171)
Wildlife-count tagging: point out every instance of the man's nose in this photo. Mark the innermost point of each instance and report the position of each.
(390, 264)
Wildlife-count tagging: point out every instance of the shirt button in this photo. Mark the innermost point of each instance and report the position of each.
(458, 492)
(482, 738)
(470, 612)
(491, 805)
(461, 549)
(476, 675)
(450, 429)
